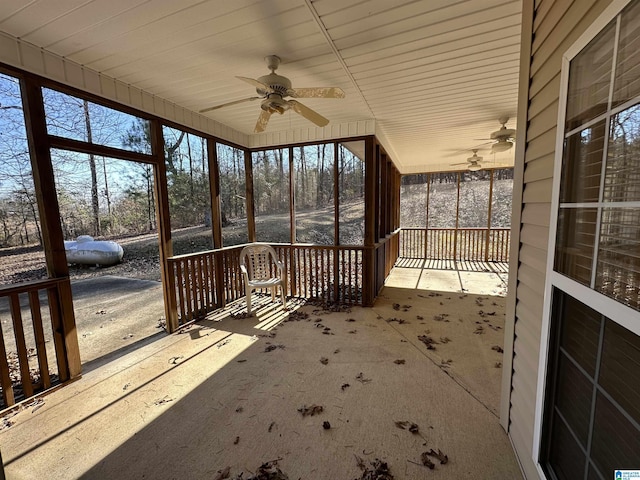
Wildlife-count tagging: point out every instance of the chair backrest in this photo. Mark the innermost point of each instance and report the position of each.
(259, 260)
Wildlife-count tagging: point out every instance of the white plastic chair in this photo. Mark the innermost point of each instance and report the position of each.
(262, 269)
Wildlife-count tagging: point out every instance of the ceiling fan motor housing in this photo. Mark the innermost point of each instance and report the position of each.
(277, 83)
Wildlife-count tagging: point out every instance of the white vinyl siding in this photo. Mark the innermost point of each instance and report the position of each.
(557, 24)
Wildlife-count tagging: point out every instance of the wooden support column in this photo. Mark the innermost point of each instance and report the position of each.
(52, 237)
(164, 224)
(214, 184)
(292, 200)
(488, 234)
(251, 217)
(336, 195)
(426, 223)
(370, 215)
(216, 222)
(455, 233)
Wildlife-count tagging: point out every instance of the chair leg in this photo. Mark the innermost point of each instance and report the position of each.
(284, 297)
(249, 302)
(273, 294)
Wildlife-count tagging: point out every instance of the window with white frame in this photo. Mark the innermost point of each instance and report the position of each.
(591, 411)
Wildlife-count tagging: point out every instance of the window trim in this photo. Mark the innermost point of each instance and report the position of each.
(616, 311)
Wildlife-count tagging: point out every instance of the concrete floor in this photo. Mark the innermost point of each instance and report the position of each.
(226, 393)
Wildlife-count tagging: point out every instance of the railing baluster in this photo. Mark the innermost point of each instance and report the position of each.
(21, 346)
(38, 333)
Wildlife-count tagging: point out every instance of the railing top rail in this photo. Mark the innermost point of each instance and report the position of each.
(30, 286)
(177, 258)
(454, 228)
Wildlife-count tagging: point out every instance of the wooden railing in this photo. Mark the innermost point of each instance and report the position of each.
(25, 364)
(204, 281)
(478, 244)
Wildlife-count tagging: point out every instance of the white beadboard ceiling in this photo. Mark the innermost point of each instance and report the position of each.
(434, 75)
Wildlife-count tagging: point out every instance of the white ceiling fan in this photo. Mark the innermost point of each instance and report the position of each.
(273, 89)
(473, 162)
(502, 139)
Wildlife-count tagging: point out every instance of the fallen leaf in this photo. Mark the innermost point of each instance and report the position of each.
(399, 361)
(497, 348)
(345, 386)
(426, 461)
(236, 441)
(326, 425)
(324, 360)
(311, 411)
(439, 455)
(222, 474)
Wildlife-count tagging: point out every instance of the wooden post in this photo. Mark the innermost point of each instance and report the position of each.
(455, 232)
(214, 184)
(217, 271)
(251, 218)
(486, 245)
(292, 200)
(370, 214)
(336, 195)
(52, 237)
(163, 221)
(426, 223)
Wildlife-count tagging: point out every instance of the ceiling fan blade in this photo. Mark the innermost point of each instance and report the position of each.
(309, 114)
(250, 99)
(316, 92)
(263, 119)
(257, 84)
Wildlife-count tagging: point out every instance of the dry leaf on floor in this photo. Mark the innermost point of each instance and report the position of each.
(378, 470)
(439, 455)
(239, 409)
(498, 365)
(400, 321)
(350, 320)
(361, 379)
(352, 331)
(236, 441)
(326, 425)
(271, 425)
(479, 330)
(324, 360)
(428, 341)
(345, 386)
(396, 306)
(400, 361)
(497, 348)
(163, 400)
(311, 410)
(271, 348)
(406, 425)
(267, 471)
(426, 461)
(445, 339)
(222, 474)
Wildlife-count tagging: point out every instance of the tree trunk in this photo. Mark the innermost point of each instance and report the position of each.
(106, 193)
(94, 176)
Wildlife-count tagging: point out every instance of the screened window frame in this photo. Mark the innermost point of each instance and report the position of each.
(617, 312)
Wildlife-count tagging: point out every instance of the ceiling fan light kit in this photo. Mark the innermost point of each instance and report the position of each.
(501, 146)
(273, 89)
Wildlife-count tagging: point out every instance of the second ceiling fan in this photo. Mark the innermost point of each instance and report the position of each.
(273, 89)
